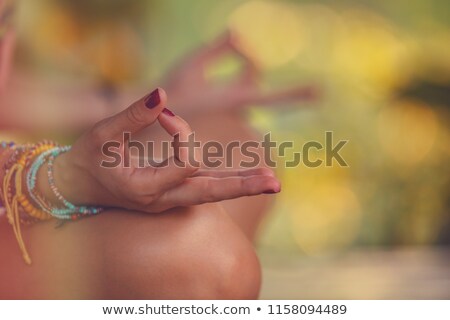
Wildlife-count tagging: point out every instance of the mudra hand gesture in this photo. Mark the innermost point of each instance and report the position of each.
(83, 180)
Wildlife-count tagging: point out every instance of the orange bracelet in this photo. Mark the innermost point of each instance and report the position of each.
(13, 197)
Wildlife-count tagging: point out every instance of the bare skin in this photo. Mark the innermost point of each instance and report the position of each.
(196, 252)
(184, 253)
(188, 253)
(193, 252)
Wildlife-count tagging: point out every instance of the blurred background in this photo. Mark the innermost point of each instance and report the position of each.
(377, 229)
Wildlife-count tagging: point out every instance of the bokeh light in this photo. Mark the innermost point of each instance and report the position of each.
(269, 30)
(407, 131)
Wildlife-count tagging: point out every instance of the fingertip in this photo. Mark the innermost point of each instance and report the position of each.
(272, 186)
(156, 99)
(162, 95)
(168, 112)
(256, 185)
(174, 124)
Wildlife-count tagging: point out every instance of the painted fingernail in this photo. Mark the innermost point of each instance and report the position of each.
(270, 191)
(153, 99)
(168, 112)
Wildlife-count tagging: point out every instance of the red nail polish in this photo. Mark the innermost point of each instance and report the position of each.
(168, 112)
(153, 99)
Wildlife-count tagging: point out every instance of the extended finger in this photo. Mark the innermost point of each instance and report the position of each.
(304, 93)
(234, 173)
(200, 190)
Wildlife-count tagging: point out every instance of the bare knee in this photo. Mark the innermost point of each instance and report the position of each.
(189, 253)
(225, 255)
(237, 274)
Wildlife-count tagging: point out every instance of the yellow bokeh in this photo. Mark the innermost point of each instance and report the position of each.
(51, 32)
(271, 32)
(407, 131)
(325, 217)
(322, 210)
(321, 27)
(371, 53)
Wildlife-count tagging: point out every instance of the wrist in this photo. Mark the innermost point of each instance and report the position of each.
(69, 179)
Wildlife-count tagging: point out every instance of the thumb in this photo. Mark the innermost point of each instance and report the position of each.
(139, 115)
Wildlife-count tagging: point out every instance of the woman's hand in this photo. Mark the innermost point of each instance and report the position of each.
(189, 88)
(82, 179)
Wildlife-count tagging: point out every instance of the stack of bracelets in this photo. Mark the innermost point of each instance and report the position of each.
(28, 207)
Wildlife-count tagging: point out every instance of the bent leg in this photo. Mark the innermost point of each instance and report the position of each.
(185, 253)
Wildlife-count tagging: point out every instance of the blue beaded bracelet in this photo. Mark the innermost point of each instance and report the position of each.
(70, 211)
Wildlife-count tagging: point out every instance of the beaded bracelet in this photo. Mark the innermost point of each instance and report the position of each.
(5, 144)
(71, 211)
(31, 182)
(24, 164)
(31, 214)
(12, 194)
